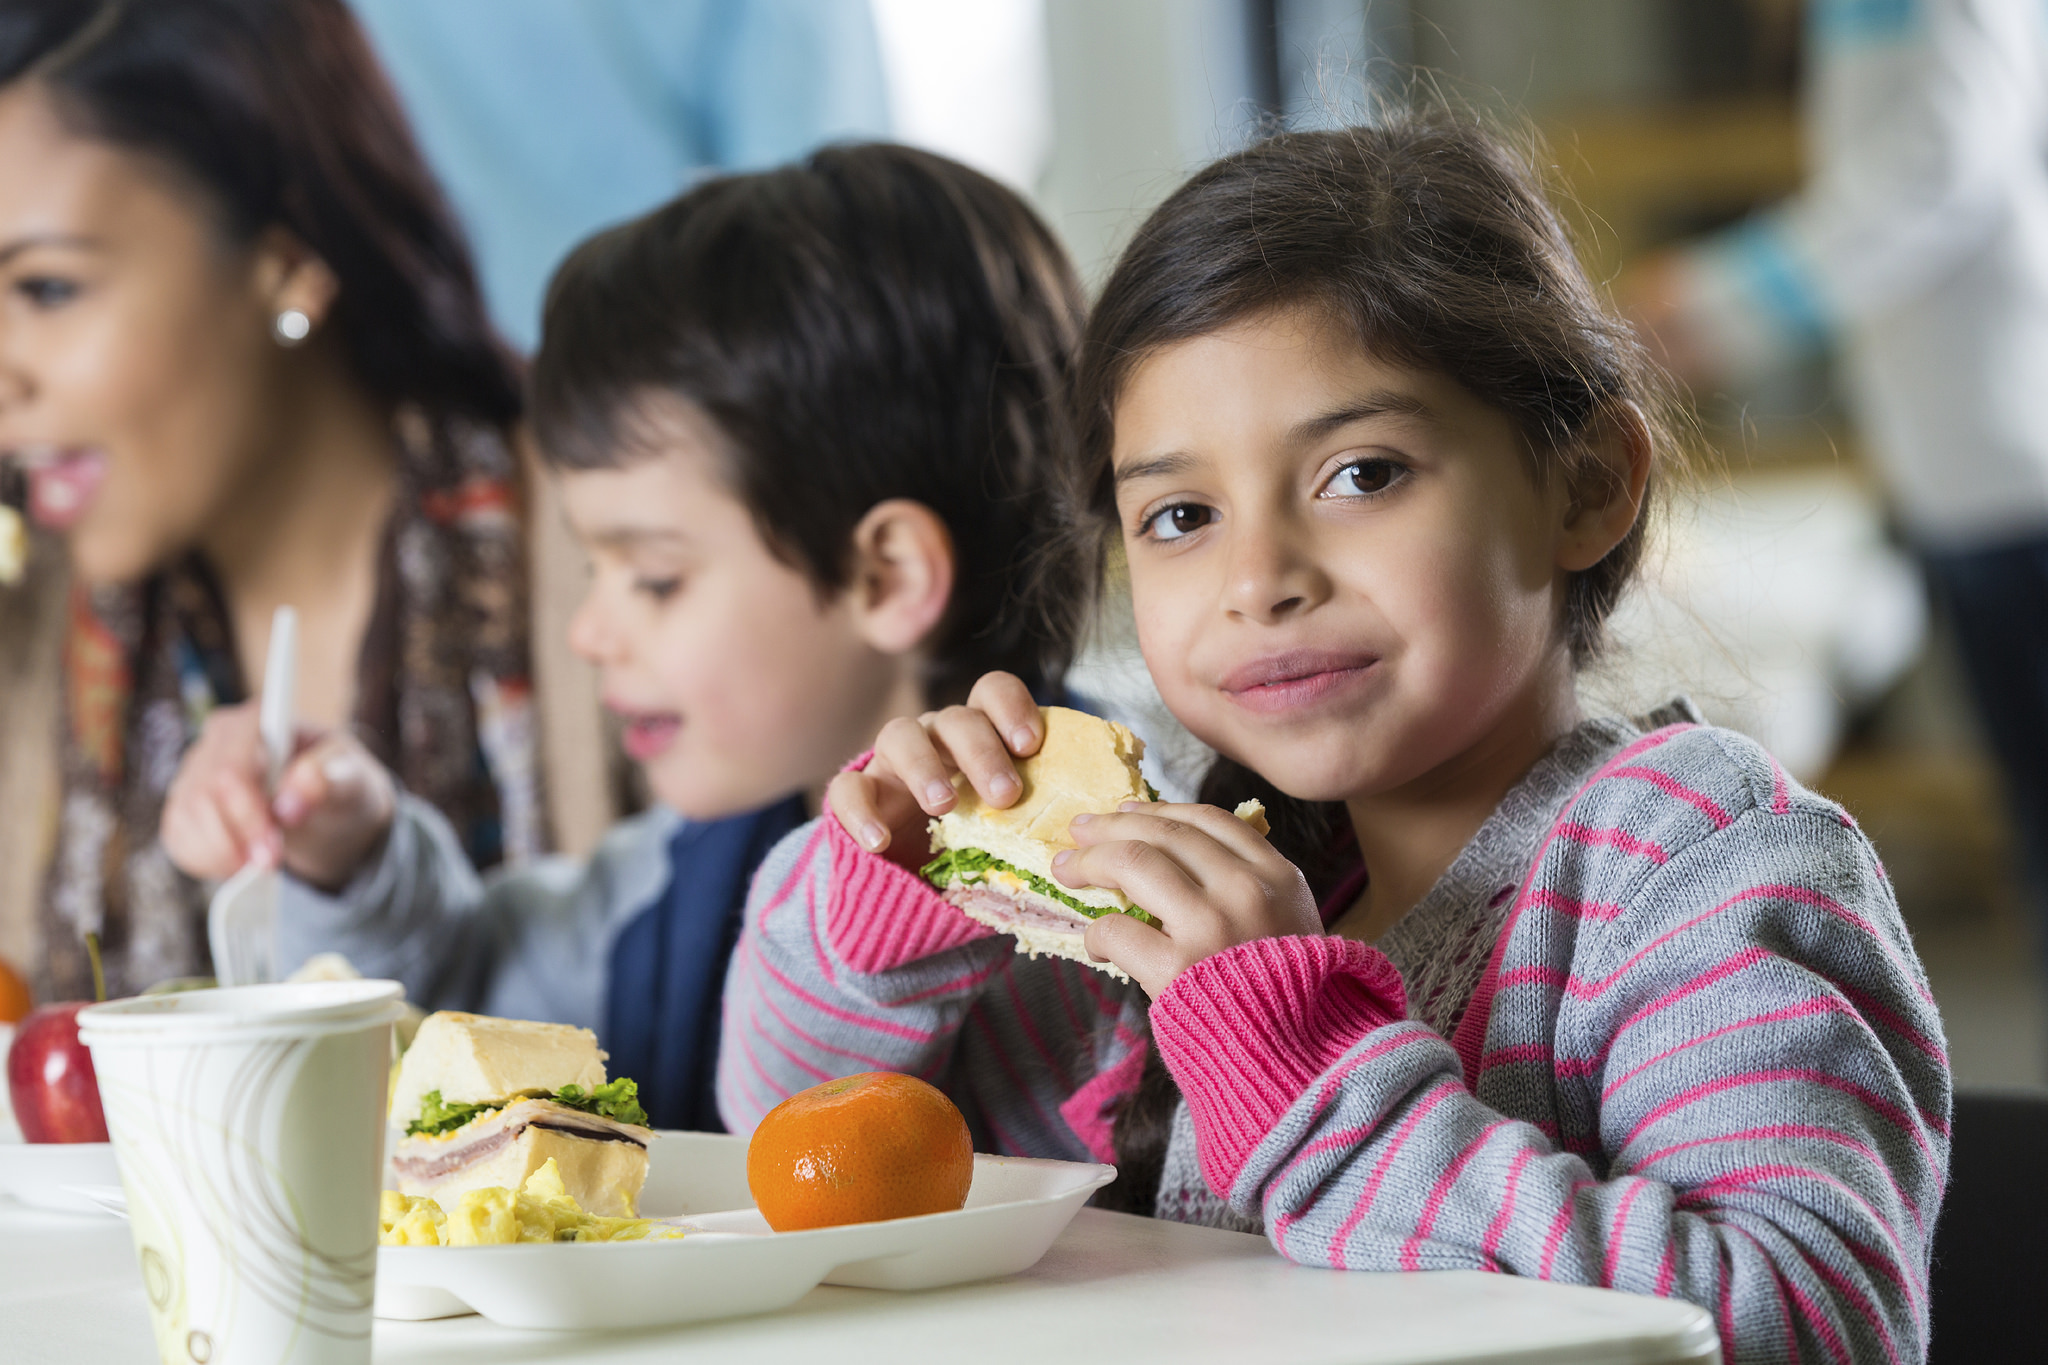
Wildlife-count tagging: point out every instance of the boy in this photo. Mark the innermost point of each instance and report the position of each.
(805, 423)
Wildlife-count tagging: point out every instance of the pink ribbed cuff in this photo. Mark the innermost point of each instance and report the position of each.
(1245, 1033)
(881, 916)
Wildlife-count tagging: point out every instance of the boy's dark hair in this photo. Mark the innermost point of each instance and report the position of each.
(873, 322)
(1433, 242)
(278, 115)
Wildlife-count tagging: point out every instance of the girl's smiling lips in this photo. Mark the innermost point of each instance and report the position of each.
(1299, 678)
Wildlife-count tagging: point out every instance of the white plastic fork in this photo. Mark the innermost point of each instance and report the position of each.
(241, 921)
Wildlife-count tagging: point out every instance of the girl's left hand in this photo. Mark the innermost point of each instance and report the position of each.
(1211, 881)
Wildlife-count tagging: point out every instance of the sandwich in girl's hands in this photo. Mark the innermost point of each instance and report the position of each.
(996, 862)
(1604, 1001)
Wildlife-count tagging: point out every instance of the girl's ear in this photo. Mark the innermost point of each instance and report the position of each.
(902, 574)
(1606, 488)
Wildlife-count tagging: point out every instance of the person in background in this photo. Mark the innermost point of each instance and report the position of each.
(805, 421)
(1919, 248)
(244, 362)
(549, 119)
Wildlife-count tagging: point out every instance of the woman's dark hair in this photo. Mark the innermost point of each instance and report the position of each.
(277, 113)
(871, 323)
(1433, 243)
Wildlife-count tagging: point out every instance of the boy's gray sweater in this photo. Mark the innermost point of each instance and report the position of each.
(529, 943)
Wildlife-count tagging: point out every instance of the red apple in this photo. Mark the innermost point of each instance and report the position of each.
(50, 1078)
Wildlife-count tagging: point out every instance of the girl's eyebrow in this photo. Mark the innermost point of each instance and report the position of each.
(1154, 466)
(1378, 403)
(33, 240)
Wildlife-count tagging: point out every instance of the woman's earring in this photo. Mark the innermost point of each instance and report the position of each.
(291, 327)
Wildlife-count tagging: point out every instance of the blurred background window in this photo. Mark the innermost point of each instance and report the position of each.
(548, 119)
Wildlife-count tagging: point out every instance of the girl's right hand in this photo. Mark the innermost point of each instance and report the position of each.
(910, 778)
(332, 809)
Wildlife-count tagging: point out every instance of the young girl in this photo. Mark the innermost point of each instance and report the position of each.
(804, 420)
(1511, 989)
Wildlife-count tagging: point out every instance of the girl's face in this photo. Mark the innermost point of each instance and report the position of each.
(1344, 573)
(134, 345)
(737, 683)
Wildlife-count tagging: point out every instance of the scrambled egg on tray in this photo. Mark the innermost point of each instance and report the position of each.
(540, 1211)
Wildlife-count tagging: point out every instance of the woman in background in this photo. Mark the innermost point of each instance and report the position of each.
(243, 363)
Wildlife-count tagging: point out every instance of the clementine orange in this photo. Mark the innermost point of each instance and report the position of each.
(15, 998)
(858, 1150)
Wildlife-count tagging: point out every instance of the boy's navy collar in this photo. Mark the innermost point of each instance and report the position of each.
(667, 965)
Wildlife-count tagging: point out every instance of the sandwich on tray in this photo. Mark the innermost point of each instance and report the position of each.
(996, 865)
(487, 1102)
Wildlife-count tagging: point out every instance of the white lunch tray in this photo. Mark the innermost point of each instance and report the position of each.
(735, 1265)
(57, 1175)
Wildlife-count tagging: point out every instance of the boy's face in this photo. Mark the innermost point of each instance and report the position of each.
(738, 682)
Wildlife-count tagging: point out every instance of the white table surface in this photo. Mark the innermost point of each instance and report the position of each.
(1112, 1288)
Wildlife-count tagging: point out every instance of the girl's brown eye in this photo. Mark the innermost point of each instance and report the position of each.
(1364, 478)
(1183, 518)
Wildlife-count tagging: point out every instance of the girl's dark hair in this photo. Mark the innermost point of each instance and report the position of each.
(276, 112)
(1431, 240)
(871, 323)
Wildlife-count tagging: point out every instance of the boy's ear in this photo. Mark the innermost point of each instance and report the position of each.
(902, 574)
(1606, 491)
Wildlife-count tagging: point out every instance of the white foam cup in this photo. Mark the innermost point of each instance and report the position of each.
(248, 1127)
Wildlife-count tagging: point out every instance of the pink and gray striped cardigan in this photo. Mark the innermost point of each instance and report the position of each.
(1700, 1058)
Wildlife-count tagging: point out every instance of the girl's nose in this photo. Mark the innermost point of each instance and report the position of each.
(1272, 573)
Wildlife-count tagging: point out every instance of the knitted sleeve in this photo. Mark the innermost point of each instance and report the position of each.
(849, 963)
(845, 963)
(1720, 1080)
(411, 913)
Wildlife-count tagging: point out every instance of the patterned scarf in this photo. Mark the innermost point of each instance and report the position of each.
(443, 698)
